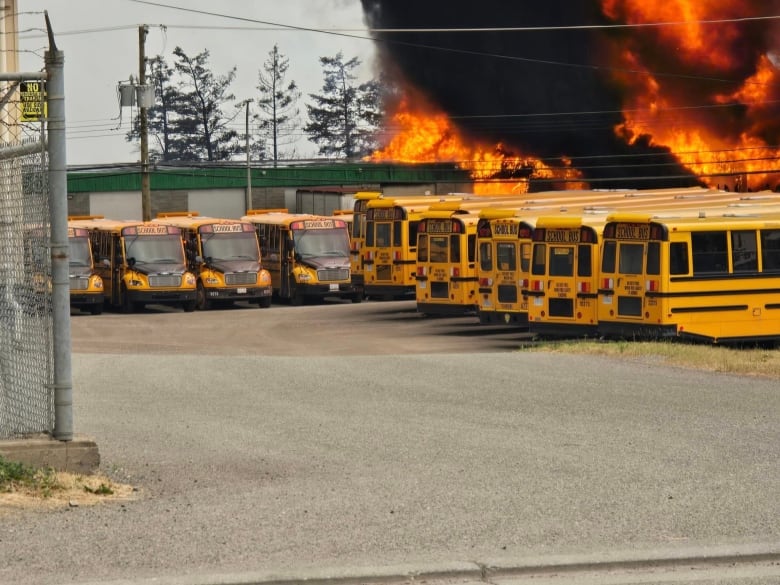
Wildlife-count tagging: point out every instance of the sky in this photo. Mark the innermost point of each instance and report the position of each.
(100, 42)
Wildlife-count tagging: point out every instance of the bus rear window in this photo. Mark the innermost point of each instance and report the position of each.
(608, 256)
(561, 261)
(630, 258)
(653, 258)
(486, 256)
(506, 257)
(538, 264)
(584, 265)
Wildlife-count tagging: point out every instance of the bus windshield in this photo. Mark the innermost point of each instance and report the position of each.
(235, 246)
(154, 249)
(321, 242)
(79, 252)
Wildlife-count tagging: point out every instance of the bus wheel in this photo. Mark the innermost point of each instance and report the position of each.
(201, 301)
(188, 306)
(296, 300)
(264, 302)
(96, 309)
(357, 298)
(127, 305)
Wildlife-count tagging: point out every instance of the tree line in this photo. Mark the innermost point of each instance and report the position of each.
(194, 112)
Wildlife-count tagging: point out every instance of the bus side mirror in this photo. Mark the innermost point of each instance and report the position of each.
(131, 262)
(199, 260)
(106, 262)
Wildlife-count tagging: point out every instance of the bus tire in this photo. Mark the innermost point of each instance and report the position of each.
(188, 306)
(264, 302)
(296, 298)
(357, 298)
(96, 309)
(127, 305)
(201, 302)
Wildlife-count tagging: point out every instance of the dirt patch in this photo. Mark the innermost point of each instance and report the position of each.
(67, 490)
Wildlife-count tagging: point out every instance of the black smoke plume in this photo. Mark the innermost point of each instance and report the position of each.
(544, 93)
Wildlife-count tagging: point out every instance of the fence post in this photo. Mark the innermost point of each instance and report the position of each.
(58, 209)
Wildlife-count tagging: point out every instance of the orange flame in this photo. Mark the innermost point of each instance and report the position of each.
(714, 130)
(424, 134)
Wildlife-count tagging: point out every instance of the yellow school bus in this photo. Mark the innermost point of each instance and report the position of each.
(224, 256)
(503, 265)
(446, 271)
(140, 263)
(357, 236)
(86, 285)
(564, 275)
(306, 255)
(714, 278)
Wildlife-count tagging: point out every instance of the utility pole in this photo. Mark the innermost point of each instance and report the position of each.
(248, 166)
(146, 195)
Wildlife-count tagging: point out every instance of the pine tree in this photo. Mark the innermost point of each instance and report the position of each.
(201, 123)
(344, 117)
(278, 102)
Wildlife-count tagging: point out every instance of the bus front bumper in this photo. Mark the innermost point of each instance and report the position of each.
(238, 293)
(161, 297)
(86, 299)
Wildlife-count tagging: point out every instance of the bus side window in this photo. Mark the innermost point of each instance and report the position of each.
(770, 250)
(710, 253)
(744, 251)
(678, 258)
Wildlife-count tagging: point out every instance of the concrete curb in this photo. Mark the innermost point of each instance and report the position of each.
(80, 455)
(482, 570)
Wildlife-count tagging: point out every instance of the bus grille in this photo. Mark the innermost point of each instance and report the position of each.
(333, 274)
(241, 278)
(507, 293)
(168, 280)
(439, 290)
(561, 308)
(629, 306)
(79, 283)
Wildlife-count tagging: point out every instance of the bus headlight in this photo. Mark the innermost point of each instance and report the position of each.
(189, 278)
(303, 277)
(97, 282)
(264, 277)
(212, 280)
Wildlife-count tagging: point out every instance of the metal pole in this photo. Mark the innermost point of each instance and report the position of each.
(248, 167)
(146, 195)
(58, 216)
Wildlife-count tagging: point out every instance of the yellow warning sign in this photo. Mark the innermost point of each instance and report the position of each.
(32, 100)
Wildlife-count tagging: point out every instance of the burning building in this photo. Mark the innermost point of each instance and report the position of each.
(610, 93)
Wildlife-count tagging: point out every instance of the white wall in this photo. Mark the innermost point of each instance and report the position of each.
(225, 203)
(119, 205)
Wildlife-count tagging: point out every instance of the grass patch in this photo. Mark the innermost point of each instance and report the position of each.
(744, 361)
(25, 487)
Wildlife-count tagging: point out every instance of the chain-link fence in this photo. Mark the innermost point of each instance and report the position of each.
(26, 316)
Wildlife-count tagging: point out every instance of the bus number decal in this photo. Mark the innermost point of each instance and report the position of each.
(152, 230)
(506, 229)
(383, 214)
(562, 236)
(227, 228)
(632, 231)
(441, 226)
(321, 224)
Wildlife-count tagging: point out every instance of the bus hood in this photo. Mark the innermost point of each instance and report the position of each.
(326, 261)
(155, 268)
(225, 266)
(79, 270)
